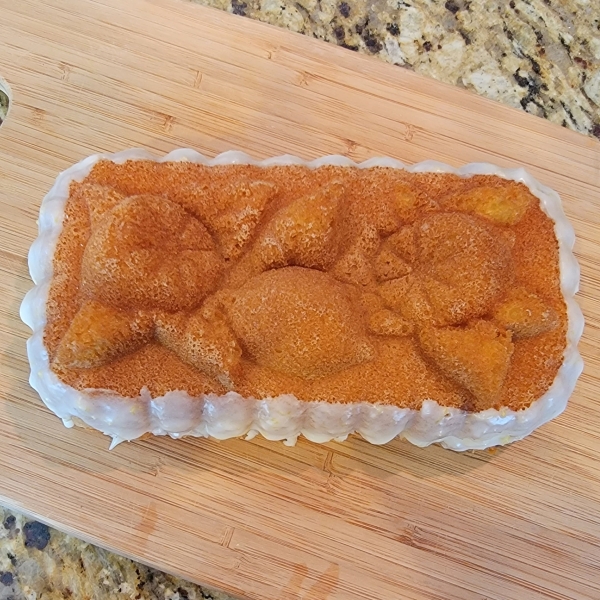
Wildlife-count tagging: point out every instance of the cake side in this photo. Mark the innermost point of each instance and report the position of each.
(284, 417)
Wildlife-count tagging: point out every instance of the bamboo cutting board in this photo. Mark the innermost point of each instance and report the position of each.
(258, 519)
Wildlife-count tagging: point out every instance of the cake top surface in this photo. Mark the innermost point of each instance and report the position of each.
(335, 284)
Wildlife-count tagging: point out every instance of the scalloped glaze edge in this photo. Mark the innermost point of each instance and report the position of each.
(285, 417)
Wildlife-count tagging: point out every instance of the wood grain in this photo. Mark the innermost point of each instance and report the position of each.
(258, 519)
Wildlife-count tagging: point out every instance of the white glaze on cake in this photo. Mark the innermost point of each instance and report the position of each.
(284, 417)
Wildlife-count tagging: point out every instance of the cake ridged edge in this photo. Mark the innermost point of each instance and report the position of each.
(285, 417)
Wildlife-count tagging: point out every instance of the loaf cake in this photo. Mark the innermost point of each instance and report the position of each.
(225, 298)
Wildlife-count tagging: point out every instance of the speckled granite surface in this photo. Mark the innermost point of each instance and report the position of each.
(542, 56)
(39, 563)
(3, 106)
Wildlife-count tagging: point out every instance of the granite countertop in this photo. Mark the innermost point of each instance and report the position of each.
(541, 56)
(40, 563)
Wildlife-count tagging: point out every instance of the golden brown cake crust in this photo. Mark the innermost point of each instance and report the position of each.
(335, 284)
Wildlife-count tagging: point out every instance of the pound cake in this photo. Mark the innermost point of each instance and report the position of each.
(225, 297)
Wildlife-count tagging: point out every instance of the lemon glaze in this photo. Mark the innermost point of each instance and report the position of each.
(284, 417)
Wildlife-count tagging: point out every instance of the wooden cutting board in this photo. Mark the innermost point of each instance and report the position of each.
(258, 519)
